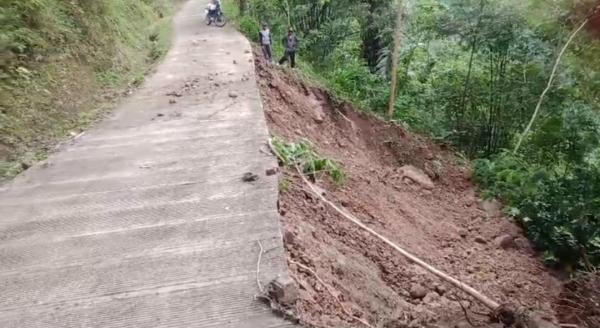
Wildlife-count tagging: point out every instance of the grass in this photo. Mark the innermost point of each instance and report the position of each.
(303, 155)
(63, 63)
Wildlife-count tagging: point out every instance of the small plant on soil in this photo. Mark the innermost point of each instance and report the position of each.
(284, 185)
(303, 155)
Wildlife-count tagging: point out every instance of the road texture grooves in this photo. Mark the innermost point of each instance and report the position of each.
(144, 220)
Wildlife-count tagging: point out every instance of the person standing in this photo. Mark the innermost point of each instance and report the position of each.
(290, 42)
(264, 37)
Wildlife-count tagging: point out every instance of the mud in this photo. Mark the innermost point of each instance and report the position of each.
(446, 226)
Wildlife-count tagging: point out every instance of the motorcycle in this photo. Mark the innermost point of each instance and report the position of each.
(215, 16)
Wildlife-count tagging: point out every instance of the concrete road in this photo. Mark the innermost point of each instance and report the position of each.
(144, 221)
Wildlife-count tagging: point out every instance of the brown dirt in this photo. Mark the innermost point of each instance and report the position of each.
(580, 301)
(441, 225)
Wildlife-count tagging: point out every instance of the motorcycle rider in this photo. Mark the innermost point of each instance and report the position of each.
(214, 8)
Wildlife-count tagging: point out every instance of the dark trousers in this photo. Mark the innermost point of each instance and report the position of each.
(289, 55)
(266, 49)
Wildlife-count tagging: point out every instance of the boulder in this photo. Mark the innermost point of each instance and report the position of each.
(417, 291)
(505, 242)
(284, 291)
(492, 208)
(416, 175)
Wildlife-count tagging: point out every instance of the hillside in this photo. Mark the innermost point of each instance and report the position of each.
(62, 63)
(446, 224)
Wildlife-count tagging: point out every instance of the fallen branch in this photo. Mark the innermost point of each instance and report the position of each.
(464, 309)
(260, 253)
(327, 287)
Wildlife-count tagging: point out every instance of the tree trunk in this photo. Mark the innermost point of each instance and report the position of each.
(242, 5)
(395, 55)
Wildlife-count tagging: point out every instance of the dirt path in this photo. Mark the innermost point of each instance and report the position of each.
(144, 221)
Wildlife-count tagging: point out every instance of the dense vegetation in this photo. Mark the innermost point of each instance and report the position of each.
(470, 74)
(60, 61)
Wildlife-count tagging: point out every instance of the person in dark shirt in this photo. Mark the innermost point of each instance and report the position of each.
(264, 37)
(290, 42)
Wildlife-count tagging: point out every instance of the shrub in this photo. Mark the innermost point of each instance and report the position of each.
(560, 212)
(250, 27)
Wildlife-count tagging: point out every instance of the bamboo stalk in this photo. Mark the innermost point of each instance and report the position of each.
(550, 81)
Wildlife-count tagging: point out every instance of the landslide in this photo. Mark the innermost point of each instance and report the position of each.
(448, 225)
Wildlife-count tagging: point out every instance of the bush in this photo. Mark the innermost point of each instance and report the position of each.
(560, 212)
(56, 58)
(250, 27)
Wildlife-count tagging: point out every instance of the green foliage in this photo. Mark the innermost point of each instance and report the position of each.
(284, 185)
(470, 74)
(301, 154)
(58, 57)
(250, 27)
(560, 211)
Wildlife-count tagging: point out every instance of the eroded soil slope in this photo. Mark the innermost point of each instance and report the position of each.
(446, 226)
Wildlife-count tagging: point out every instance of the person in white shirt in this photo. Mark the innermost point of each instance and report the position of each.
(265, 40)
(214, 8)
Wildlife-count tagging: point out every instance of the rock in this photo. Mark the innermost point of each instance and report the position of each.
(428, 155)
(462, 324)
(249, 177)
(233, 95)
(441, 289)
(537, 320)
(284, 291)
(480, 239)
(175, 94)
(521, 243)
(160, 115)
(272, 171)
(505, 242)
(431, 297)
(495, 325)
(463, 233)
(234, 62)
(417, 291)
(318, 114)
(395, 323)
(318, 118)
(288, 237)
(492, 208)
(172, 101)
(416, 175)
